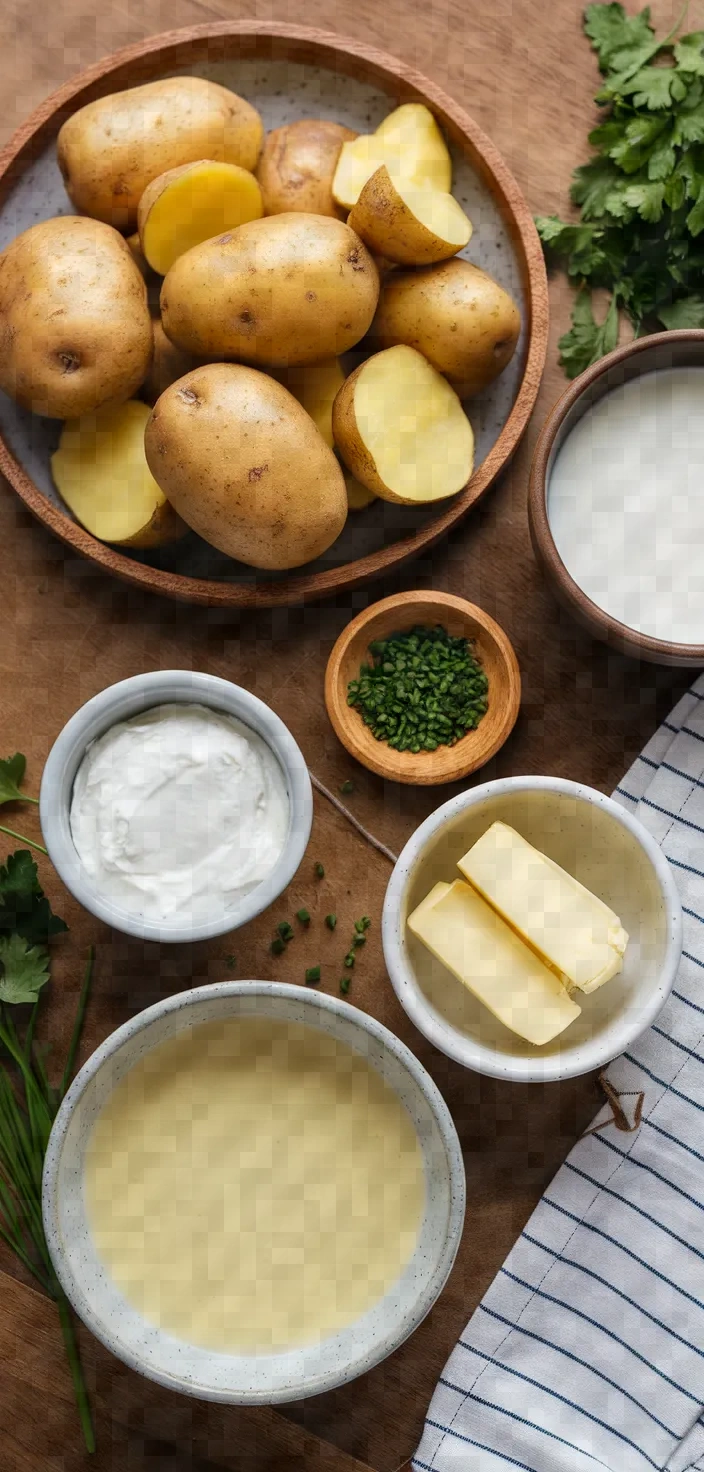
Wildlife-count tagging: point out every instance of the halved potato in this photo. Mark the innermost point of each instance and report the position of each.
(406, 224)
(101, 470)
(411, 145)
(190, 204)
(316, 386)
(402, 430)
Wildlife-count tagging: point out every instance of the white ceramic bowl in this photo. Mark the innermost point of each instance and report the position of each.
(263, 1378)
(130, 698)
(608, 851)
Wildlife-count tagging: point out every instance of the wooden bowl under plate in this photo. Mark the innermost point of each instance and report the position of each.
(680, 349)
(288, 73)
(396, 615)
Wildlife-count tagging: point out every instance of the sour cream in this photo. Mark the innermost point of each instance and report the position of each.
(178, 813)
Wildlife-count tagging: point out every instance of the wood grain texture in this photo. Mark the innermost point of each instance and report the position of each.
(525, 73)
(459, 618)
(157, 57)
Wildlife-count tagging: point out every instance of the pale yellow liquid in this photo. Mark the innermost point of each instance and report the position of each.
(254, 1185)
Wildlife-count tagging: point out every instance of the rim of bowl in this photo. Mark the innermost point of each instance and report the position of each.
(144, 692)
(465, 1050)
(317, 1001)
(611, 630)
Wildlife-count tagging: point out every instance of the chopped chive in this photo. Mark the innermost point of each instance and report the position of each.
(285, 930)
(362, 925)
(331, 921)
(349, 959)
(278, 946)
(230, 961)
(303, 916)
(312, 975)
(347, 787)
(320, 872)
(345, 985)
(359, 940)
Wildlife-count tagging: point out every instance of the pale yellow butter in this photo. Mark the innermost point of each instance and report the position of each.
(486, 955)
(572, 930)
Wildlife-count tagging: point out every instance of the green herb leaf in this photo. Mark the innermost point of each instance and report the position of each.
(647, 199)
(24, 969)
(347, 787)
(11, 774)
(588, 340)
(312, 975)
(688, 312)
(24, 908)
(230, 961)
(331, 921)
(278, 946)
(345, 985)
(303, 916)
(689, 53)
(695, 218)
(593, 186)
(615, 36)
(319, 871)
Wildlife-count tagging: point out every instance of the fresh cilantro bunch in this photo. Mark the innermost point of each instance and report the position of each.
(641, 196)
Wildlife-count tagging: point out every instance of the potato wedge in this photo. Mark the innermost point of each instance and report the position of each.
(457, 316)
(411, 145)
(111, 149)
(401, 429)
(192, 203)
(297, 165)
(101, 471)
(408, 225)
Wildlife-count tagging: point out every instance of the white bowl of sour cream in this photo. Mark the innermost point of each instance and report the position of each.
(175, 806)
(253, 1193)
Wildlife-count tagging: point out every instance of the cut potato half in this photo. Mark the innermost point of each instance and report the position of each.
(101, 470)
(401, 429)
(411, 145)
(316, 386)
(406, 224)
(190, 204)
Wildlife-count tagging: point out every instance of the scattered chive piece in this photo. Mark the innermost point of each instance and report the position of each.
(320, 872)
(285, 930)
(349, 959)
(345, 985)
(230, 961)
(359, 940)
(347, 787)
(312, 975)
(278, 946)
(331, 921)
(362, 925)
(303, 916)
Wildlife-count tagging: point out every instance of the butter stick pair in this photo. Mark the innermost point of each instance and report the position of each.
(521, 935)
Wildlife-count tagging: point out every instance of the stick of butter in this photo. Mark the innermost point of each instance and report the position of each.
(571, 929)
(486, 955)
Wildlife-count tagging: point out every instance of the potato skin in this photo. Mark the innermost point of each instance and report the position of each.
(111, 149)
(286, 289)
(165, 527)
(245, 466)
(457, 316)
(168, 363)
(297, 166)
(387, 225)
(75, 330)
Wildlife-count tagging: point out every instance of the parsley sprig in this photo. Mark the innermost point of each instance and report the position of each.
(641, 196)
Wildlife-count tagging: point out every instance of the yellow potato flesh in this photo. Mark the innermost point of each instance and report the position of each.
(100, 468)
(204, 200)
(439, 213)
(411, 145)
(413, 425)
(316, 385)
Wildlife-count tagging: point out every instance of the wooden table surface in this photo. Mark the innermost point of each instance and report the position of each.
(522, 68)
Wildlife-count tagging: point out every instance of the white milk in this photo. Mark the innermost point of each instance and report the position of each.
(626, 504)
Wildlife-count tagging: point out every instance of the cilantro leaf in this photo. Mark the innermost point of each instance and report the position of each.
(636, 142)
(11, 774)
(593, 186)
(587, 340)
(24, 969)
(695, 218)
(614, 34)
(689, 53)
(653, 87)
(647, 199)
(24, 908)
(688, 312)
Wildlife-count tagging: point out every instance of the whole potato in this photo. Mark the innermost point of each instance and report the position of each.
(75, 330)
(111, 149)
(457, 316)
(245, 466)
(168, 363)
(286, 289)
(297, 166)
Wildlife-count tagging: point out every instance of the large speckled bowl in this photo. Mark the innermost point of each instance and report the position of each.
(261, 1379)
(289, 73)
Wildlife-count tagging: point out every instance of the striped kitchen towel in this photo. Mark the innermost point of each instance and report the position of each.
(588, 1349)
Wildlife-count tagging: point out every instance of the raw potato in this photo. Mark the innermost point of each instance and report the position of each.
(245, 466)
(316, 386)
(462, 321)
(408, 225)
(110, 150)
(402, 430)
(168, 364)
(136, 249)
(101, 471)
(75, 330)
(192, 203)
(297, 165)
(287, 289)
(411, 145)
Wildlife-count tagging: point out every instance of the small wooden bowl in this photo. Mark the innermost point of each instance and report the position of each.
(644, 355)
(395, 615)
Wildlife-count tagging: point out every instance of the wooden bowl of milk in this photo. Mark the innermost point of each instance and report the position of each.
(616, 499)
(253, 1193)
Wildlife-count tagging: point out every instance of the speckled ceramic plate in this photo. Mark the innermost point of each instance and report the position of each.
(288, 73)
(257, 1379)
